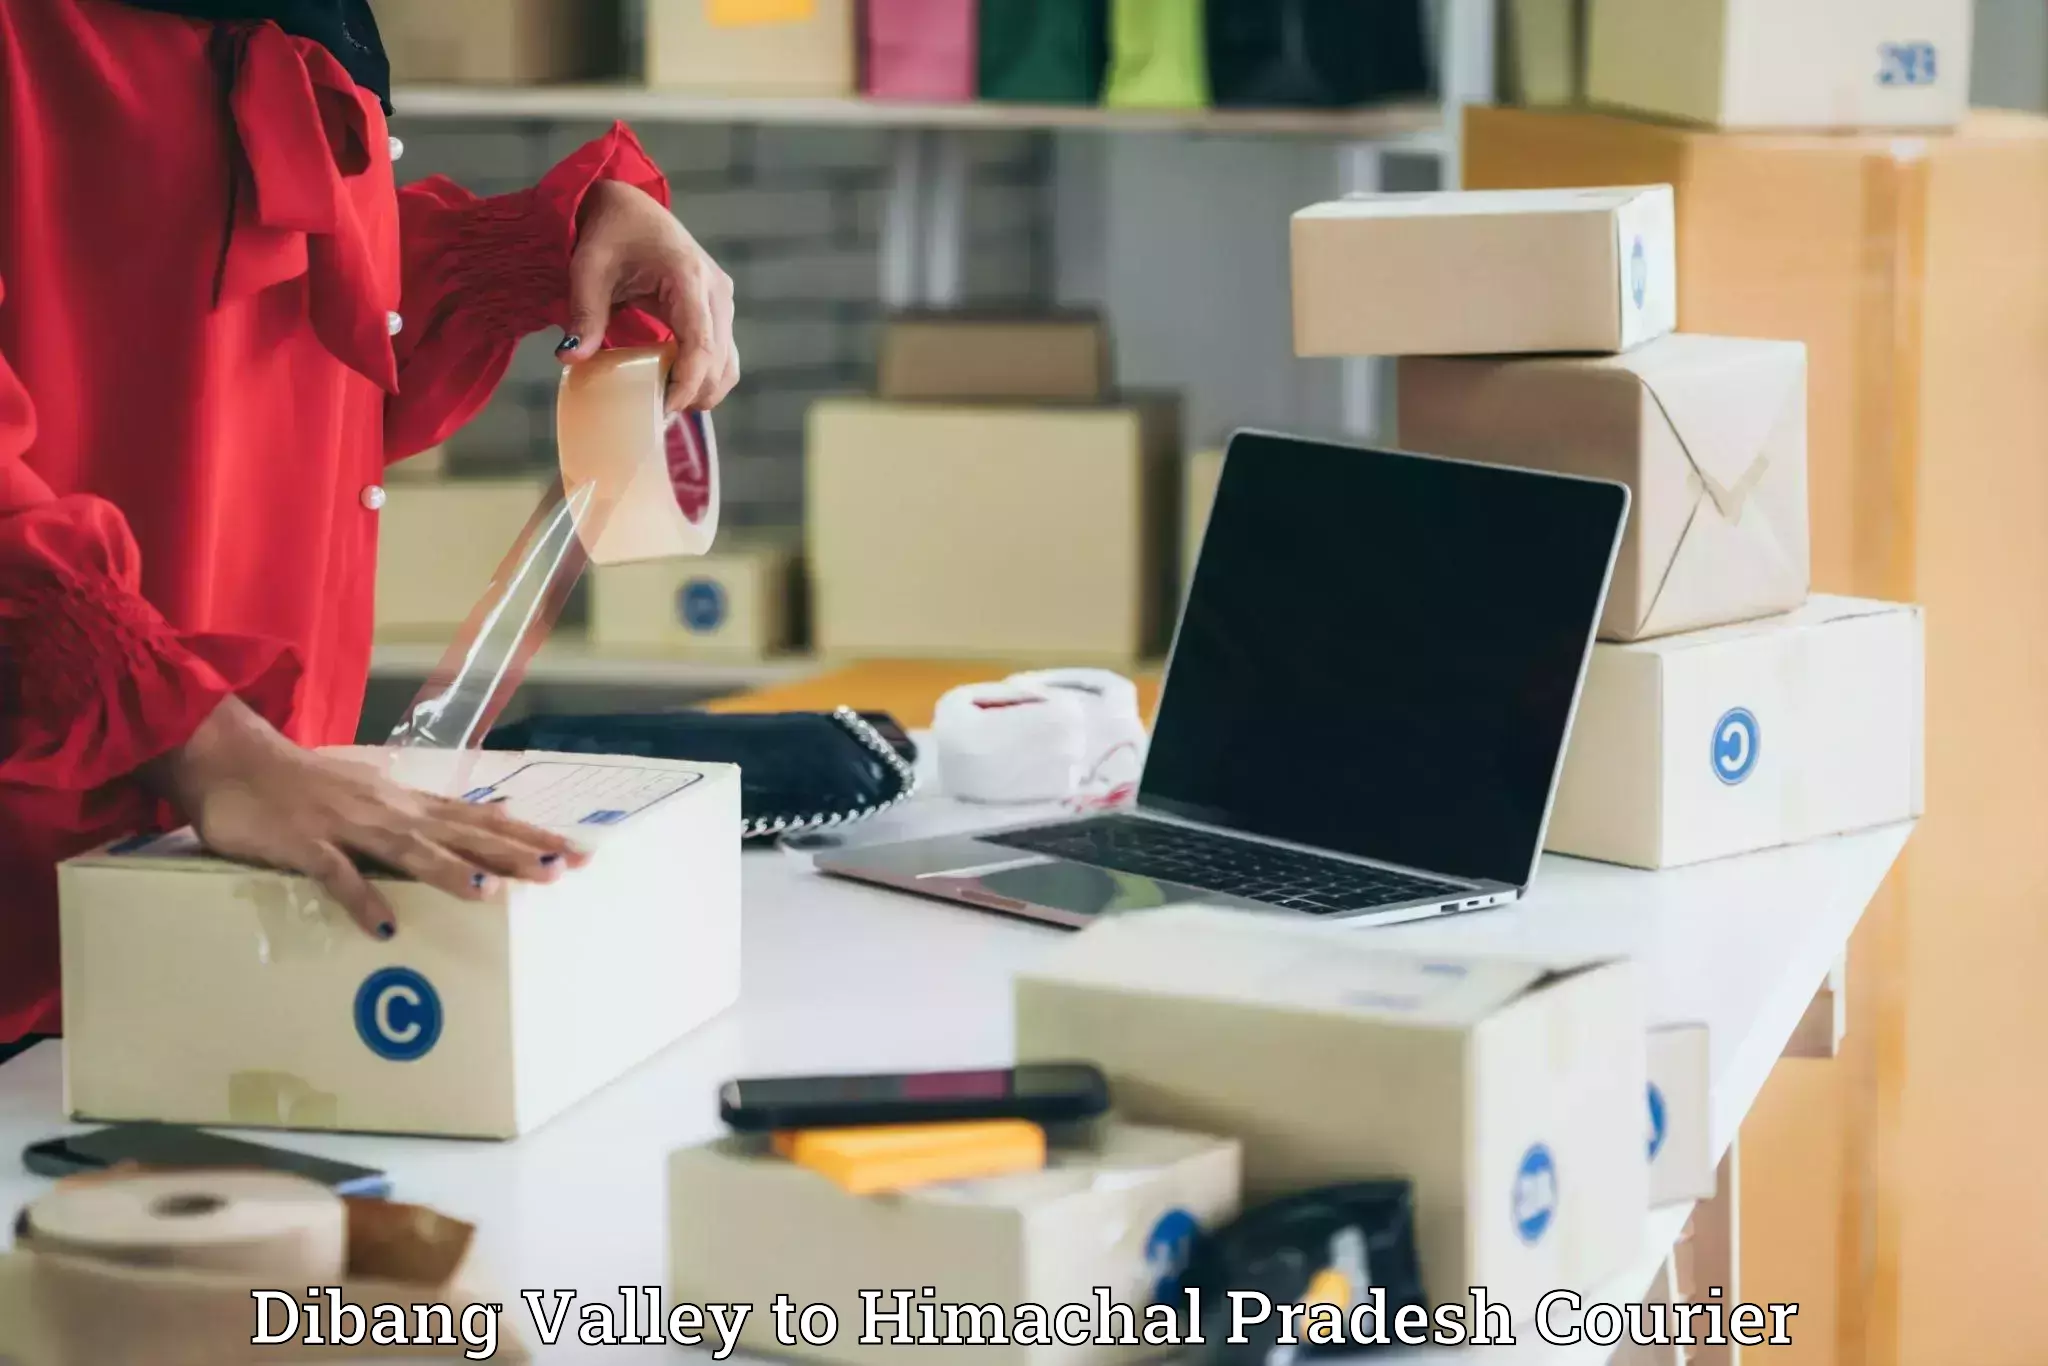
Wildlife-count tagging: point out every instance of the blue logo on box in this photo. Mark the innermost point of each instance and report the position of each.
(701, 605)
(1168, 1249)
(1639, 273)
(1907, 64)
(398, 1015)
(1535, 1194)
(1736, 742)
(1659, 1122)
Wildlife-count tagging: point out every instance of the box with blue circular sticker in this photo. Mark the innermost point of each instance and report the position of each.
(200, 991)
(738, 602)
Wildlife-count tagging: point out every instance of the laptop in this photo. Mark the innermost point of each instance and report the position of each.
(1364, 713)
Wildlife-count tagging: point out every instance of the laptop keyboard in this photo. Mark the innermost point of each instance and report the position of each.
(1220, 863)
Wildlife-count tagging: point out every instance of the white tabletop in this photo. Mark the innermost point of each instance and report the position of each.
(840, 977)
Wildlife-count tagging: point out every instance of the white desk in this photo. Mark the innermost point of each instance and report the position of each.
(841, 977)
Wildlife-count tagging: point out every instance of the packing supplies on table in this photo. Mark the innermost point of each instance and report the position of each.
(926, 50)
(984, 532)
(1746, 737)
(1040, 737)
(893, 1158)
(1319, 53)
(1709, 433)
(1784, 64)
(1044, 51)
(1117, 1211)
(1485, 273)
(438, 545)
(501, 42)
(142, 1269)
(737, 602)
(199, 991)
(1508, 1093)
(1158, 55)
(752, 47)
(993, 358)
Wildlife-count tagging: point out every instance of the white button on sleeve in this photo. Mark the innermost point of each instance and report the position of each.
(373, 497)
(395, 323)
(397, 150)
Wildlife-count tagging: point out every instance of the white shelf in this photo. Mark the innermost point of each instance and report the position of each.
(1421, 123)
(571, 662)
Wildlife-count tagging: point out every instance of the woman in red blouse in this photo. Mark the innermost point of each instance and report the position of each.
(219, 321)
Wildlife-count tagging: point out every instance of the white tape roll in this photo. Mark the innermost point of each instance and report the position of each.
(1006, 743)
(654, 476)
(275, 1227)
(1116, 730)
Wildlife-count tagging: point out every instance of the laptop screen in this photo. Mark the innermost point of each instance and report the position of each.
(1380, 654)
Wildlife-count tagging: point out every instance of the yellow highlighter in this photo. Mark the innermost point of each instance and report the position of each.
(891, 1158)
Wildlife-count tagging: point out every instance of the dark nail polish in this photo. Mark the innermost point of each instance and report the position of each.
(569, 343)
(550, 860)
(476, 880)
(387, 931)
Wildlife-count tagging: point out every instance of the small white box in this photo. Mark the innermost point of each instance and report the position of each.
(1746, 737)
(1508, 1093)
(1681, 1142)
(1120, 1212)
(198, 991)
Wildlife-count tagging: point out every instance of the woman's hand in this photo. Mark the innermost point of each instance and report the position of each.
(632, 251)
(254, 795)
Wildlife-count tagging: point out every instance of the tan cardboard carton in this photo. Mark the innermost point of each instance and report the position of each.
(438, 546)
(500, 42)
(1709, 433)
(1784, 64)
(198, 991)
(950, 531)
(1205, 469)
(1543, 51)
(1509, 1093)
(1682, 1161)
(1746, 737)
(717, 47)
(1462, 273)
(735, 603)
(1047, 359)
(1118, 1212)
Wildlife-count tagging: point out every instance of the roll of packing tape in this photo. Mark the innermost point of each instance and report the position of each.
(652, 476)
(266, 1225)
(1003, 743)
(1116, 730)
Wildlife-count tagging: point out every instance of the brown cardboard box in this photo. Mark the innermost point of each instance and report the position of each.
(1784, 64)
(438, 546)
(718, 47)
(500, 42)
(1116, 1212)
(1913, 270)
(1205, 468)
(1709, 433)
(428, 467)
(993, 533)
(735, 602)
(1543, 49)
(1484, 274)
(1051, 359)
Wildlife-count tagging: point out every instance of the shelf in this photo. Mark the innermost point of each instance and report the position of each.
(570, 662)
(1418, 122)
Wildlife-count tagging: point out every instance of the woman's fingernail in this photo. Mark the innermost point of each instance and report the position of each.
(477, 880)
(572, 342)
(550, 860)
(387, 931)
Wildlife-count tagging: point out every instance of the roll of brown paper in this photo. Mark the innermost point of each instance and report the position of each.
(266, 1225)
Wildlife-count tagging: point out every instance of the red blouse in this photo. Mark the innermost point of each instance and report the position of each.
(218, 322)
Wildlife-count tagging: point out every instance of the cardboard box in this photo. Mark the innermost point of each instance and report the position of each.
(1681, 1141)
(1544, 51)
(737, 602)
(1205, 469)
(1019, 534)
(1746, 737)
(729, 47)
(1484, 274)
(1119, 1212)
(438, 546)
(1785, 64)
(1052, 359)
(1509, 1093)
(500, 42)
(198, 991)
(430, 466)
(1709, 433)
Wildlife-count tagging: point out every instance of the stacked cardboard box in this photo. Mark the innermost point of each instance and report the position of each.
(1536, 330)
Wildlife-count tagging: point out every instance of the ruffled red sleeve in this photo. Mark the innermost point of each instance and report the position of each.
(480, 274)
(93, 682)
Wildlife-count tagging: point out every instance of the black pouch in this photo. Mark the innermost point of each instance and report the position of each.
(1044, 51)
(1318, 53)
(799, 770)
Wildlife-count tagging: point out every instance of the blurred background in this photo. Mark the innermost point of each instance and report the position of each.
(997, 317)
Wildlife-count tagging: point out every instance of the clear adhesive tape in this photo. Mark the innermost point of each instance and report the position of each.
(1006, 743)
(268, 1225)
(636, 483)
